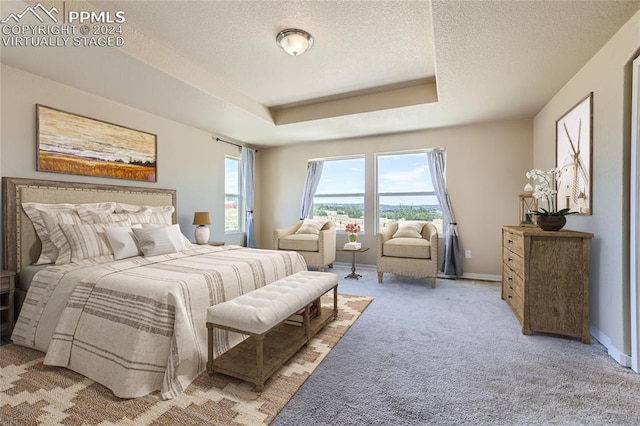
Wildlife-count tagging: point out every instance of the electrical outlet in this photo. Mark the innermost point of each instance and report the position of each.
(467, 254)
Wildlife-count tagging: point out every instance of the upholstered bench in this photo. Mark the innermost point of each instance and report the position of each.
(261, 314)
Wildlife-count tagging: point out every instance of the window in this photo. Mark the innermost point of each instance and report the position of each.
(405, 191)
(340, 194)
(232, 195)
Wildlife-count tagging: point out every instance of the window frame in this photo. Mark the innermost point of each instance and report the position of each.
(340, 230)
(379, 194)
(239, 195)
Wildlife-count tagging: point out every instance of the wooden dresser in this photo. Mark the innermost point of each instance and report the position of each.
(545, 279)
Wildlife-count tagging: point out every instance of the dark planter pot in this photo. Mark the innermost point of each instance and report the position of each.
(551, 223)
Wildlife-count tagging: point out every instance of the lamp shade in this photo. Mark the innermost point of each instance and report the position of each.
(293, 41)
(201, 218)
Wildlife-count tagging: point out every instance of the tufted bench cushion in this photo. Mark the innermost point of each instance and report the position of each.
(260, 310)
(260, 313)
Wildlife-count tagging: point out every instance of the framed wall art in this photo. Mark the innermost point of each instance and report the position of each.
(74, 144)
(573, 157)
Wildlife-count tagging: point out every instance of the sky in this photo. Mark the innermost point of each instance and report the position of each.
(397, 173)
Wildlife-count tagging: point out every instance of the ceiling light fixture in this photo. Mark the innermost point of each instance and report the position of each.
(293, 41)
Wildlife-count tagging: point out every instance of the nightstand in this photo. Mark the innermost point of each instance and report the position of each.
(7, 288)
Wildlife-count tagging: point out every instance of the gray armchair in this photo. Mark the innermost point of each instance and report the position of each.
(416, 257)
(318, 250)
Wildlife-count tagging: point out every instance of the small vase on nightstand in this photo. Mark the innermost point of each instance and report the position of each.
(353, 238)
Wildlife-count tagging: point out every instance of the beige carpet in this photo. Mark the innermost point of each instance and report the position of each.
(31, 393)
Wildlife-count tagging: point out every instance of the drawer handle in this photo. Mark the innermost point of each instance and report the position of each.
(510, 241)
(509, 278)
(510, 259)
(509, 296)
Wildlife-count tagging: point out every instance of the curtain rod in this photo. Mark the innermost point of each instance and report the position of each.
(230, 143)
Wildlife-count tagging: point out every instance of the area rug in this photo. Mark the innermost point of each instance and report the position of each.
(32, 393)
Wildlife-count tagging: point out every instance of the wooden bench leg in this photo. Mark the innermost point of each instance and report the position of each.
(335, 302)
(210, 349)
(259, 362)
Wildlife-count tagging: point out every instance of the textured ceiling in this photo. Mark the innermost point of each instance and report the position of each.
(376, 66)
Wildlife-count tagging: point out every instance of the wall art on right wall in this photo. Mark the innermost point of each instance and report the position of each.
(573, 157)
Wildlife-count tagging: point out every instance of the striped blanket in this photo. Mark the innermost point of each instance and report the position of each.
(138, 325)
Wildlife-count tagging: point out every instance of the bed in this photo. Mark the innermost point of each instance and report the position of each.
(135, 325)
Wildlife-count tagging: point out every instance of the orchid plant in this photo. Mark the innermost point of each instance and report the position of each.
(545, 189)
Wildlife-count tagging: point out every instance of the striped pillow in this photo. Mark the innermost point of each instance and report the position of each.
(154, 241)
(85, 211)
(161, 215)
(142, 216)
(35, 213)
(56, 238)
(86, 241)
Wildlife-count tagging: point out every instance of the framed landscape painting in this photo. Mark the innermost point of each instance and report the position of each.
(73, 144)
(573, 157)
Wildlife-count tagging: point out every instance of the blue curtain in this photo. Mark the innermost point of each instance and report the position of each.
(314, 172)
(248, 160)
(452, 262)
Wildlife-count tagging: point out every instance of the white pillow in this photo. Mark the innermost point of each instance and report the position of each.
(123, 241)
(85, 241)
(154, 241)
(409, 229)
(311, 226)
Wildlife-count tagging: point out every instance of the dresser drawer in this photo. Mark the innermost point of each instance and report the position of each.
(515, 301)
(513, 261)
(512, 280)
(513, 241)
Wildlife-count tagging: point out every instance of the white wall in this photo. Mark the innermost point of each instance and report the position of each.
(188, 159)
(608, 76)
(486, 165)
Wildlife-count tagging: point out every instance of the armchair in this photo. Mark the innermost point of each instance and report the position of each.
(318, 250)
(416, 257)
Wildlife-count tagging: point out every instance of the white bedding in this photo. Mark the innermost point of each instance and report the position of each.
(138, 325)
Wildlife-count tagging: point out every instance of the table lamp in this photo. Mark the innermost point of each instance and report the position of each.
(202, 219)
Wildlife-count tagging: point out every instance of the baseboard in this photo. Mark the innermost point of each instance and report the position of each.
(358, 265)
(615, 353)
(482, 277)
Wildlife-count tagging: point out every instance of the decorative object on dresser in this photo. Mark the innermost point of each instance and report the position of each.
(545, 280)
(7, 288)
(549, 219)
(528, 204)
(201, 220)
(73, 144)
(573, 156)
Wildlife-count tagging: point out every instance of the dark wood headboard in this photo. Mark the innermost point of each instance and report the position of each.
(21, 244)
